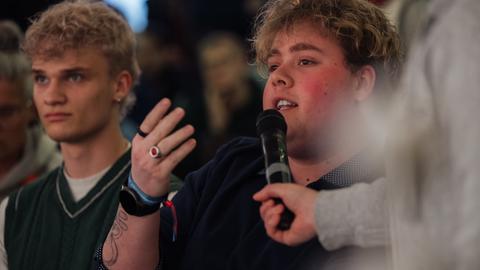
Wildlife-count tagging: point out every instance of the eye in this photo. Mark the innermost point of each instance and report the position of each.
(305, 62)
(75, 77)
(40, 79)
(272, 68)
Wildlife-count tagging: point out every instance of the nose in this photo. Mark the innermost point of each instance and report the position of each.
(281, 78)
(53, 94)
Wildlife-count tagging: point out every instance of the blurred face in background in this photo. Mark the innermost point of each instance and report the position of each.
(224, 65)
(15, 115)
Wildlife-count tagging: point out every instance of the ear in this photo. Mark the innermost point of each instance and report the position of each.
(123, 83)
(366, 82)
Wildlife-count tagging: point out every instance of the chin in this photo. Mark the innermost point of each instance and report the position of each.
(61, 136)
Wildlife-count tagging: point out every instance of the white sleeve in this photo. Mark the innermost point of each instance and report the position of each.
(456, 87)
(353, 216)
(3, 253)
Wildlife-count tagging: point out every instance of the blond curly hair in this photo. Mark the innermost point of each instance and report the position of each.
(85, 24)
(365, 34)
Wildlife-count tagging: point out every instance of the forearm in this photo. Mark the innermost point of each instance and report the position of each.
(353, 216)
(133, 242)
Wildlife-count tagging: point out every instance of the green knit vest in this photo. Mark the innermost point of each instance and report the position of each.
(46, 229)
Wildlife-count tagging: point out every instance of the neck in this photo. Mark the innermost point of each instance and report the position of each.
(88, 157)
(308, 171)
(309, 168)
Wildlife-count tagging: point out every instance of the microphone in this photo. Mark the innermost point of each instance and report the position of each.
(271, 128)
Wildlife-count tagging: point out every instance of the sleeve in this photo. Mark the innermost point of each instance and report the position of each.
(3, 252)
(176, 224)
(353, 216)
(455, 75)
(190, 203)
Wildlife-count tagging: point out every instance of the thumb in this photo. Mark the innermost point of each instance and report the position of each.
(277, 190)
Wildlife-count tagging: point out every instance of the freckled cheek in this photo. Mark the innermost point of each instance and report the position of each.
(319, 93)
(332, 84)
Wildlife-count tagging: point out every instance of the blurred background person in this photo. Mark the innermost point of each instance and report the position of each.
(233, 97)
(25, 151)
(164, 75)
(167, 57)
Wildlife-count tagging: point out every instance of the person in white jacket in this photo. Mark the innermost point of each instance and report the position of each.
(26, 152)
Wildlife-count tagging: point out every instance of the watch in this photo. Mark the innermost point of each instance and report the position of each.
(135, 202)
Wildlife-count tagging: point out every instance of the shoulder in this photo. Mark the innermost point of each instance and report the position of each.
(239, 156)
(26, 196)
(239, 147)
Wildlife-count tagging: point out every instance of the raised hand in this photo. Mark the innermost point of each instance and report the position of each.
(158, 148)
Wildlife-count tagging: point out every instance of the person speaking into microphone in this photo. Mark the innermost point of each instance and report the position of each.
(324, 61)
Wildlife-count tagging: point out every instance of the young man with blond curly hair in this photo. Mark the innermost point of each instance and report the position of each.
(84, 66)
(326, 61)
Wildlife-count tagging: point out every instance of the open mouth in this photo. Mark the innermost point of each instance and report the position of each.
(283, 104)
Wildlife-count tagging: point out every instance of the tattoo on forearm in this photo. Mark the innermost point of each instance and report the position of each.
(116, 232)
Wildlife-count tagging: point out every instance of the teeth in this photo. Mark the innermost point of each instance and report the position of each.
(285, 103)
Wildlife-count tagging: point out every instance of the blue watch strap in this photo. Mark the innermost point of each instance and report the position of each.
(146, 199)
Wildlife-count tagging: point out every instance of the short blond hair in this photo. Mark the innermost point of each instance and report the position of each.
(84, 24)
(362, 30)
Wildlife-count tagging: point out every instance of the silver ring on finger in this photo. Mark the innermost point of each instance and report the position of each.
(155, 152)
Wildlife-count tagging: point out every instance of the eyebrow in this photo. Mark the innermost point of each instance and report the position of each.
(37, 70)
(65, 71)
(305, 47)
(297, 48)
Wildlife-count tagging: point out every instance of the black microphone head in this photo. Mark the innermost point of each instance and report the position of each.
(270, 119)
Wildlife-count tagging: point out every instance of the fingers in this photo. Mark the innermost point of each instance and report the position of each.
(173, 140)
(166, 125)
(265, 206)
(155, 115)
(159, 124)
(270, 213)
(158, 153)
(300, 200)
(179, 154)
(272, 191)
(268, 209)
(271, 217)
